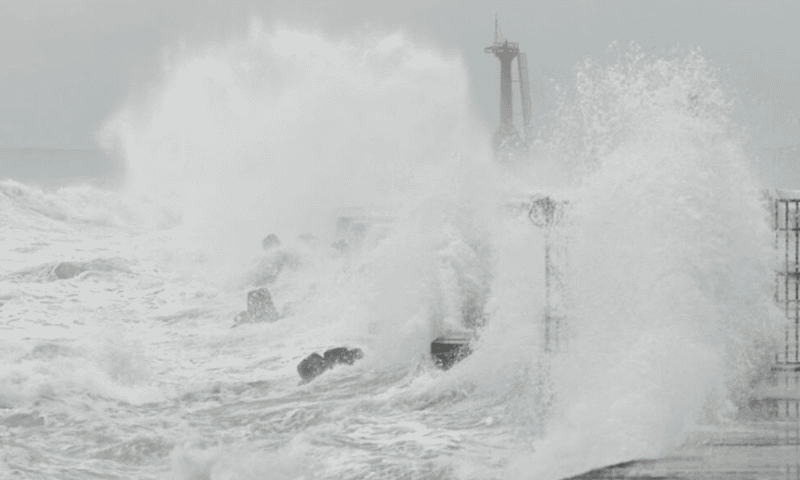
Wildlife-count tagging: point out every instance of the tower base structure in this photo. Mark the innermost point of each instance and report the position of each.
(509, 146)
(506, 137)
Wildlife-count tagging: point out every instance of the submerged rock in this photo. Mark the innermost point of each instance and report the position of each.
(259, 308)
(314, 364)
(270, 241)
(65, 270)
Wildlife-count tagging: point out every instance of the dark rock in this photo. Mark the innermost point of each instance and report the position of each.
(270, 241)
(315, 364)
(259, 308)
(447, 351)
(312, 366)
(66, 270)
(343, 355)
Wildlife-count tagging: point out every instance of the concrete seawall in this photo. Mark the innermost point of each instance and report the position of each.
(764, 444)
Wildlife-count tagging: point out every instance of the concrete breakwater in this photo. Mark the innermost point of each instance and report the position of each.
(763, 444)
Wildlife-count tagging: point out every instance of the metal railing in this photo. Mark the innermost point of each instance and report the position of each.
(786, 214)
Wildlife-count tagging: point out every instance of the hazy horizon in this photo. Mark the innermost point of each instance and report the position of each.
(72, 65)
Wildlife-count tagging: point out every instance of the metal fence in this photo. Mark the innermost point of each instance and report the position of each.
(547, 213)
(786, 214)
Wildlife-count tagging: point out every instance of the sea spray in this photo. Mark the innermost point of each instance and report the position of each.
(271, 131)
(670, 264)
(669, 270)
(276, 130)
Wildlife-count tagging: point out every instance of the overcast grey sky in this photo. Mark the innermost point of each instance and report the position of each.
(68, 65)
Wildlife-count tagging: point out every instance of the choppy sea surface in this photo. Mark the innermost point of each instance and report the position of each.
(131, 367)
(125, 363)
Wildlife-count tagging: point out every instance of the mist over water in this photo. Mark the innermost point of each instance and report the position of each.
(271, 130)
(668, 271)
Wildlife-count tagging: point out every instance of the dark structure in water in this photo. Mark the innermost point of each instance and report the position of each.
(354, 224)
(315, 364)
(259, 308)
(447, 351)
(507, 136)
(270, 241)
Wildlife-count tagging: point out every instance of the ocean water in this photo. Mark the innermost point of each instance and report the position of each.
(131, 367)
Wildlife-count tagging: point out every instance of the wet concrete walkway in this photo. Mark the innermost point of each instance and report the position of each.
(764, 445)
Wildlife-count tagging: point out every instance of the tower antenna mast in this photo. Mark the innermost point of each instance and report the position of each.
(505, 51)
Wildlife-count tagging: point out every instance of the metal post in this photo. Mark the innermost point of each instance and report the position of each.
(525, 92)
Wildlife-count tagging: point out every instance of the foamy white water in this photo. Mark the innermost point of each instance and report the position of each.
(131, 369)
